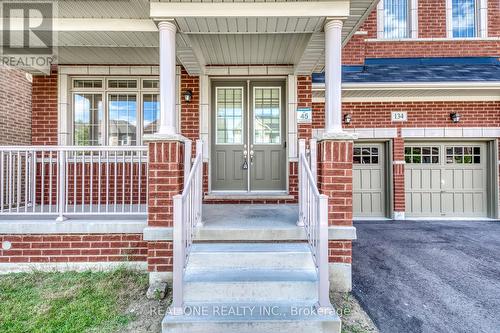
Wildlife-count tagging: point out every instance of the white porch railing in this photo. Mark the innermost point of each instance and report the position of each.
(187, 215)
(313, 215)
(73, 180)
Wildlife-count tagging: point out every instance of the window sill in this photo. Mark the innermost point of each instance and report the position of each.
(443, 39)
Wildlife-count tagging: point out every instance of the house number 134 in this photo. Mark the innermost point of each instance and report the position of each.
(399, 116)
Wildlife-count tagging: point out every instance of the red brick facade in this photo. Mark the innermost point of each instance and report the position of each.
(73, 248)
(190, 111)
(335, 157)
(423, 114)
(15, 107)
(44, 111)
(160, 256)
(431, 24)
(166, 174)
(335, 181)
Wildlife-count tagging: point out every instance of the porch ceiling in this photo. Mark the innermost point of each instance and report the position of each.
(123, 32)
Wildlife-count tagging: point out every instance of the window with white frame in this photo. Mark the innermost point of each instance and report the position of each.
(397, 19)
(467, 18)
(114, 111)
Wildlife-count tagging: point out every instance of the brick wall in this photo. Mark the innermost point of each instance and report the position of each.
(420, 114)
(423, 114)
(340, 251)
(165, 175)
(304, 100)
(432, 24)
(335, 181)
(44, 110)
(15, 107)
(115, 183)
(398, 174)
(160, 256)
(73, 248)
(190, 111)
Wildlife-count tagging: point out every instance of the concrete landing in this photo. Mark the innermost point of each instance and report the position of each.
(227, 222)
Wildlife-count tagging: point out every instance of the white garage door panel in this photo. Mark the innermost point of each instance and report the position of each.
(368, 180)
(450, 181)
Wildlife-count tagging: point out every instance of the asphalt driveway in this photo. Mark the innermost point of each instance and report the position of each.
(423, 276)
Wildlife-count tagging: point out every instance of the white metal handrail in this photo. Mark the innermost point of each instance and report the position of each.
(73, 180)
(187, 215)
(313, 216)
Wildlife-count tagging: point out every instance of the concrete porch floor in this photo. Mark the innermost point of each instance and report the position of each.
(227, 222)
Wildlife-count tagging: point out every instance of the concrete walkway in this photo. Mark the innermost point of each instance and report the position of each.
(429, 276)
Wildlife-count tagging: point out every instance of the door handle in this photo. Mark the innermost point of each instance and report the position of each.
(251, 156)
(245, 160)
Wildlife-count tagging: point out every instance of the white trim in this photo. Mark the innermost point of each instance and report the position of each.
(398, 215)
(414, 18)
(342, 233)
(450, 132)
(111, 225)
(248, 70)
(64, 127)
(292, 117)
(6, 268)
(95, 24)
(449, 19)
(422, 98)
(380, 20)
(423, 85)
(204, 86)
(483, 18)
(364, 133)
(419, 85)
(109, 70)
(158, 233)
(438, 39)
(163, 10)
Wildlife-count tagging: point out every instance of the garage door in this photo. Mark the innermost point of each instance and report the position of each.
(446, 180)
(369, 180)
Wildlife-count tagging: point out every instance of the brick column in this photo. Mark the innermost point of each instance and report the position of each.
(398, 174)
(335, 180)
(165, 176)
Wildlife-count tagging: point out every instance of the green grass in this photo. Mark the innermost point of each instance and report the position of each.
(68, 302)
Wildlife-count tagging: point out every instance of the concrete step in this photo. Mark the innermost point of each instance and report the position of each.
(250, 285)
(252, 318)
(251, 256)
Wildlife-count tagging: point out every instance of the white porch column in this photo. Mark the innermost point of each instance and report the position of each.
(168, 119)
(333, 77)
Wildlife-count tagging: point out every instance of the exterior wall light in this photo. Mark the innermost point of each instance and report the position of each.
(188, 95)
(455, 117)
(347, 118)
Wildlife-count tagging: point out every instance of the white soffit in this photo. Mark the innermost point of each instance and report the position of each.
(210, 31)
(168, 10)
(455, 91)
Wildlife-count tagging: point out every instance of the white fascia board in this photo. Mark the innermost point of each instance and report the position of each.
(169, 10)
(93, 24)
(413, 85)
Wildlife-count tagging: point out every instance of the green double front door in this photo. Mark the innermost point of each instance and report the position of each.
(248, 136)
